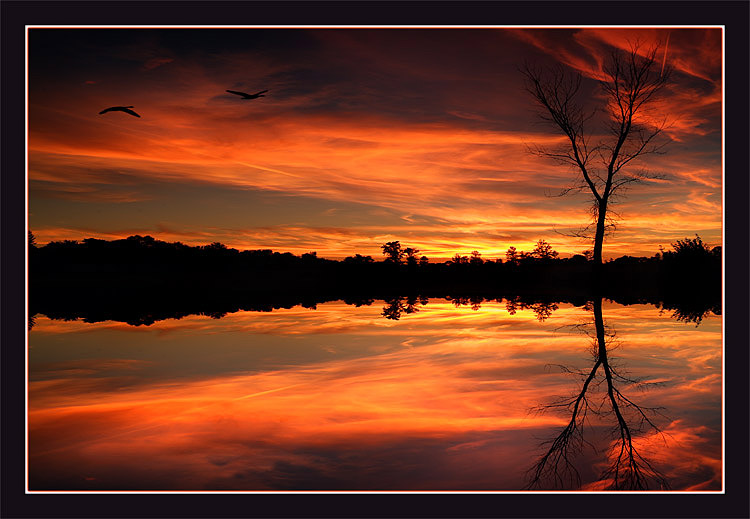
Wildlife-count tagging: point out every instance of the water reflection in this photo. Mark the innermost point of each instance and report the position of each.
(145, 311)
(627, 468)
(396, 306)
(347, 398)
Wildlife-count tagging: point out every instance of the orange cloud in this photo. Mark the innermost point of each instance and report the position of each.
(441, 152)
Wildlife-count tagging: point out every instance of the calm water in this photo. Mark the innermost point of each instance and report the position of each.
(341, 398)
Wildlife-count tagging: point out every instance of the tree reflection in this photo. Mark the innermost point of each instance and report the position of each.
(690, 310)
(396, 306)
(542, 309)
(627, 468)
(474, 301)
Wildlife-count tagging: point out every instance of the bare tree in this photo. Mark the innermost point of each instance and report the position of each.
(630, 83)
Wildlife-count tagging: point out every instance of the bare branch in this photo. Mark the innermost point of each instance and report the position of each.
(627, 468)
(631, 82)
(556, 95)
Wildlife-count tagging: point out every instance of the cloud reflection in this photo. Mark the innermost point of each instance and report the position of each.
(437, 400)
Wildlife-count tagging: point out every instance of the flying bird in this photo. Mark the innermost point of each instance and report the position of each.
(248, 96)
(126, 109)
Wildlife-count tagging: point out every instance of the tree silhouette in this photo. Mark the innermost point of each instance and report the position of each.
(627, 468)
(393, 252)
(511, 256)
(476, 258)
(412, 260)
(459, 260)
(97, 279)
(544, 251)
(691, 250)
(358, 259)
(630, 82)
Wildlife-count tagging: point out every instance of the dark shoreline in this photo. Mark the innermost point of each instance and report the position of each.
(143, 300)
(140, 280)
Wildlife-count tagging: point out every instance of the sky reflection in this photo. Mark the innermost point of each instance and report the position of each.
(341, 398)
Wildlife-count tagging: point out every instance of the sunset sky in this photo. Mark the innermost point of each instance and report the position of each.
(365, 136)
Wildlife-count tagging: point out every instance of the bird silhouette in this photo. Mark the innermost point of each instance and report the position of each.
(126, 109)
(248, 96)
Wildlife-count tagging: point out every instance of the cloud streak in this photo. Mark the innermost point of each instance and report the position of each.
(423, 123)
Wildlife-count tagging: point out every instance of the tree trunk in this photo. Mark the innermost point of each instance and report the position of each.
(599, 326)
(599, 240)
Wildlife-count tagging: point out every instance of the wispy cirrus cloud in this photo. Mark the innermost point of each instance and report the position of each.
(425, 123)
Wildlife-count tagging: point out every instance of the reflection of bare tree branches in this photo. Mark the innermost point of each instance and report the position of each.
(627, 468)
(557, 464)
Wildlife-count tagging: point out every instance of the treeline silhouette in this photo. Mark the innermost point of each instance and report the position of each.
(140, 279)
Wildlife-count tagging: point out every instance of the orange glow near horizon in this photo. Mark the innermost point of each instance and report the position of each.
(363, 138)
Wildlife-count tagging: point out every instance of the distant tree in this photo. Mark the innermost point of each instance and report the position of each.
(424, 260)
(393, 252)
(32, 240)
(511, 256)
(411, 256)
(544, 251)
(476, 258)
(630, 82)
(69, 244)
(691, 247)
(460, 260)
(690, 256)
(358, 259)
(140, 241)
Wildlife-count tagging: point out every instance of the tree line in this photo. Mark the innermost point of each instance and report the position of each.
(689, 265)
(147, 279)
(93, 252)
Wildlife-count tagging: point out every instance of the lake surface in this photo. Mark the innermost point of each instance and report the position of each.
(342, 398)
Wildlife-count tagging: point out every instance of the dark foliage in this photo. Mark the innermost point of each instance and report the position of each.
(141, 279)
